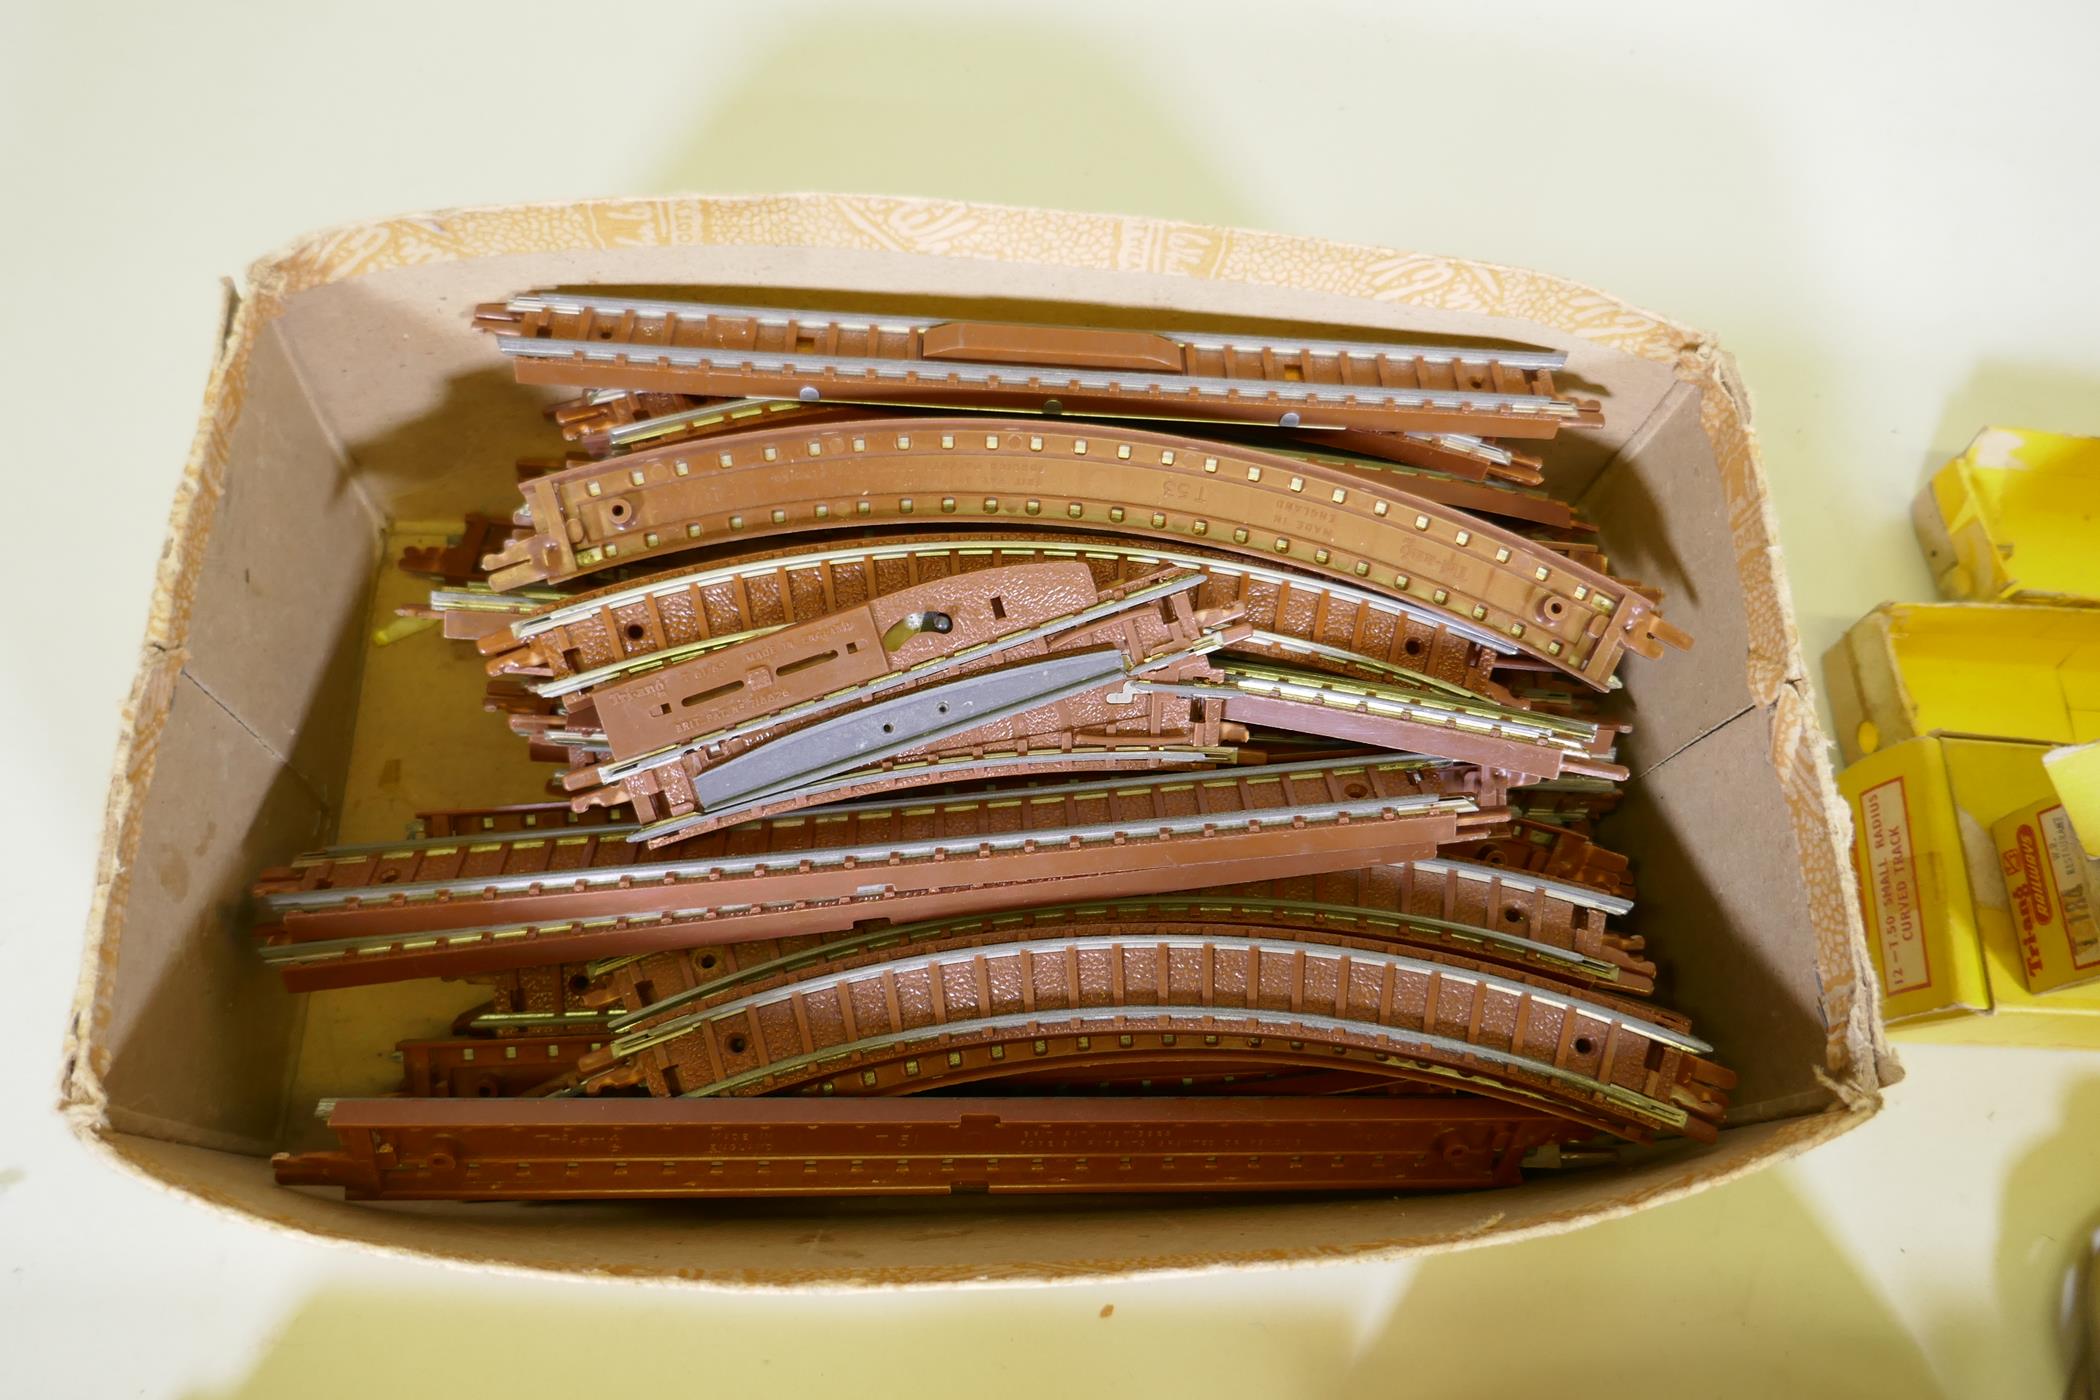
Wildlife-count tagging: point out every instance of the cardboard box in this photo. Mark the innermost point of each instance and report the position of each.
(2052, 887)
(2074, 778)
(1939, 917)
(2011, 519)
(2002, 671)
(351, 393)
(2049, 853)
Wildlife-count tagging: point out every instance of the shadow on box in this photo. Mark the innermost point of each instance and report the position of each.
(1735, 1292)
(296, 802)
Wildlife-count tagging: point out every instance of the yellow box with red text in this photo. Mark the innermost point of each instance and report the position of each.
(1939, 921)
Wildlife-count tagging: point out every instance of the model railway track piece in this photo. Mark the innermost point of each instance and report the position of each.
(1575, 803)
(1534, 906)
(858, 653)
(387, 874)
(1428, 720)
(1065, 711)
(459, 563)
(716, 351)
(1531, 690)
(448, 909)
(1389, 717)
(906, 1022)
(1321, 624)
(575, 1149)
(456, 625)
(1533, 926)
(540, 817)
(1325, 523)
(1447, 467)
(604, 409)
(551, 1000)
(1021, 777)
(610, 422)
(475, 1067)
(1533, 931)
(927, 769)
(1460, 456)
(784, 719)
(474, 611)
(530, 468)
(1552, 851)
(1516, 508)
(1459, 902)
(539, 717)
(1159, 725)
(1240, 925)
(997, 657)
(1100, 715)
(1222, 1077)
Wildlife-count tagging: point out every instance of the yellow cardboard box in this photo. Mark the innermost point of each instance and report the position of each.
(2011, 519)
(1949, 714)
(1939, 920)
(2051, 885)
(1994, 670)
(2074, 772)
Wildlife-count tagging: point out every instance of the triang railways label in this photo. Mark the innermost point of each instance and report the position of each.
(2049, 882)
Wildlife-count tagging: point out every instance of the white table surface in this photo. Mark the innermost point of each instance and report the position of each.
(1888, 212)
